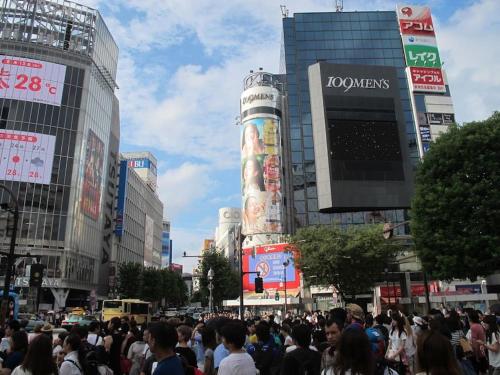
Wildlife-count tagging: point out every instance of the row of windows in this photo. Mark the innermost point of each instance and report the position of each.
(347, 52)
(343, 16)
(372, 35)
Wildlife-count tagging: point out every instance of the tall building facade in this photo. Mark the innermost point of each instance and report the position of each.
(144, 163)
(226, 231)
(59, 138)
(139, 220)
(337, 41)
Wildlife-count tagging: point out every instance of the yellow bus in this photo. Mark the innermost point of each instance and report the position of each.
(133, 308)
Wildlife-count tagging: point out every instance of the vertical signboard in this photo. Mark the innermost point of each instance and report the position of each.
(122, 198)
(31, 80)
(92, 177)
(148, 240)
(261, 179)
(165, 250)
(26, 157)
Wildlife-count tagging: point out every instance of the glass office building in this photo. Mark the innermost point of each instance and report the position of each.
(360, 38)
(59, 137)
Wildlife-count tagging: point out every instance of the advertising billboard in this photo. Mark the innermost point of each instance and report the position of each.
(422, 56)
(268, 260)
(426, 79)
(31, 80)
(165, 250)
(92, 177)
(415, 20)
(26, 157)
(261, 176)
(142, 164)
(122, 195)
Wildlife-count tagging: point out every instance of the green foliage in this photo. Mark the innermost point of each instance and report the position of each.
(351, 259)
(226, 279)
(151, 284)
(130, 280)
(456, 208)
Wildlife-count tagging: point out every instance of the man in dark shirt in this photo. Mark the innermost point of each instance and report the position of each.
(301, 360)
(162, 342)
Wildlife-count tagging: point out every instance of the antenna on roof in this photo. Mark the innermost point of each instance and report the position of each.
(339, 5)
(284, 11)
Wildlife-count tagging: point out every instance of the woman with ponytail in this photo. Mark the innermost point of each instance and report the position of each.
(74, 359)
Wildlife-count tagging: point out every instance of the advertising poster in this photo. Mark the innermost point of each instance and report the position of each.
(92, 178)
(427, 79)
(425, 133)
(165, 250)
(26, 157)
(422, 56)
(268, 260)
(415, 20)
(261, 176)
(31, 80)
(149, 226)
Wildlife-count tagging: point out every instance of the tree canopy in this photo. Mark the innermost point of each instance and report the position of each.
(456, 209)
(351, 259)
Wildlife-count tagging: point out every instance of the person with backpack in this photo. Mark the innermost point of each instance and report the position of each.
(38, 359)
(302, 360)
(265, 353)
(74, 358)
(239, 362)
(94, 336)
(492, 343)
(136, 354)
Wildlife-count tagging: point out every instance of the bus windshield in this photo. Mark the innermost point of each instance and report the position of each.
(112, 304)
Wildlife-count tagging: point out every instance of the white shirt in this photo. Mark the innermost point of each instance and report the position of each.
(92, 337)
(493, 357)
(237, 364)
(293, 347)
(396, 340)
(68, 368)
(19, 370)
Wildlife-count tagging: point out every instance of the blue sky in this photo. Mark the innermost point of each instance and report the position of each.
(181, 68)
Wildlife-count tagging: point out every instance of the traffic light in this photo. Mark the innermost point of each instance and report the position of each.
(36, 275)
(259, 285)
(277, 296)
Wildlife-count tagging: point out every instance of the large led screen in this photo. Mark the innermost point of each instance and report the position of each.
(26, 157)
(261, 176)
(92, 178)
(31, 80)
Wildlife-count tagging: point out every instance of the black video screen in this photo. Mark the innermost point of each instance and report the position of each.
(365, 149)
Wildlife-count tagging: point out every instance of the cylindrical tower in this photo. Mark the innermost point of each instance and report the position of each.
(261, 159)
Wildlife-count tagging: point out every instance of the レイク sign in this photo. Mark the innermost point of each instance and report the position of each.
(348, 83)
(31, 80)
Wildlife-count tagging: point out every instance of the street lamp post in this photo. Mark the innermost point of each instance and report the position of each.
(285, 265)
(210, 288)
(10, 257)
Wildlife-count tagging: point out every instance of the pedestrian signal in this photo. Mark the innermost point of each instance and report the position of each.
(277, 296)
(259, 285)
(36, 275)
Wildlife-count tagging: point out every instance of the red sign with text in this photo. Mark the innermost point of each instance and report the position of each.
(415, 20)
(427, 79)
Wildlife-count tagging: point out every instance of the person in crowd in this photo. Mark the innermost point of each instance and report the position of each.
(379, 325)
(136, 353)
(11, 327)
(455, 326)
(397, 342)
(162, 342)
(94, 337)
(492, 343)
(74, 358)
(18, 347)
(355, 315)
(184, 333)
(333, 332)
(287, 338)
(302, 360)
(113, 343)
(265, 353)
(38, 359)
(476, 335)
(58, 344)
(148, 357)
(209, 341)
(354, 355)
(197, 344)
(220, 351)
(252, 337)
(239, 362)
(419, 325)
(410, 347)
(435, 355)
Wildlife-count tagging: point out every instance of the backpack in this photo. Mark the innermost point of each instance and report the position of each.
(267, 358)
(377, 342)
(92, 363)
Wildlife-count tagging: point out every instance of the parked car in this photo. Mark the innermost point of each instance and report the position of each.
(171, 313)
(32, 323)
(76, 320)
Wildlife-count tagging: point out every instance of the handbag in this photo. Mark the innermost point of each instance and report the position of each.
(125, 365)
(466, 346)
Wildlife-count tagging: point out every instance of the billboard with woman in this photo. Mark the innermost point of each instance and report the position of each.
(261, 176)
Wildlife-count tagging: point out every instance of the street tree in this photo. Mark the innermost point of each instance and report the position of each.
(174, 290)
(130, 280)
(456, 209)
(152, 284)
(352, 259)
(226, 279)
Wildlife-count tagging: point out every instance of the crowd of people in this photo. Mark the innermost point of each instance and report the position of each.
(340, 342)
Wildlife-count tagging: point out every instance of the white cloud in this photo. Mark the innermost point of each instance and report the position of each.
(189, 240)
(470, 49)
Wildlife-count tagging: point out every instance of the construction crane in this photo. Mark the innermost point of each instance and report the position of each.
(339, 5)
